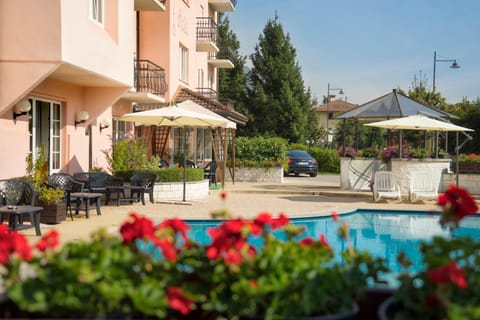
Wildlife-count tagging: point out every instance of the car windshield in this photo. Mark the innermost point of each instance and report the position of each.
(298, 153)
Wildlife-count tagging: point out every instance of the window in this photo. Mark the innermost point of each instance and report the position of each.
(96, 10)
(120, 130)
(183, 64)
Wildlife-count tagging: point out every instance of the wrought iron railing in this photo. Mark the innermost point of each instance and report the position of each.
(207, 29)
(208, 93)
(150, 77)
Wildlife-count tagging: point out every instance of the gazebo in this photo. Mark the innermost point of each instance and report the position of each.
(389, 106)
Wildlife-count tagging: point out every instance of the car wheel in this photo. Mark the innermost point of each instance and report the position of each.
(297, 174)
(313, 174)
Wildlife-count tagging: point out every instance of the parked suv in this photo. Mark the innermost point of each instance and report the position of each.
(300, 161)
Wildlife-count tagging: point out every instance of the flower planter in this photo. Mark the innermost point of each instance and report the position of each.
(468, 167)
(346, 315)
(53, 214)
(388, 309)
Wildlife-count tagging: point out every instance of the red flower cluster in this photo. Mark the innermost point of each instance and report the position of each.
(229, 239)
(143, 228)
(13, 242)
(49, 241)
(178, 301)
(449, 273)
(457, 203)
(310, 242)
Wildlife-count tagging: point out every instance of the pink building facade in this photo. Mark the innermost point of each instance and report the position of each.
(71, 68)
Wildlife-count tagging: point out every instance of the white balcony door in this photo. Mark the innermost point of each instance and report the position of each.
(45, 129)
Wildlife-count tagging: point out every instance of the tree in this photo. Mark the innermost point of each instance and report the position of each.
(278, 103)
(232, 82)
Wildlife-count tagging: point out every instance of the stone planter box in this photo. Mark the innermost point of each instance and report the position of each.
(273, 174)
(174, 190)
(355, 174)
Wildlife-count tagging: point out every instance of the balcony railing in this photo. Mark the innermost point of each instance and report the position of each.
(150, 78)
(207, 30)
(208, 93)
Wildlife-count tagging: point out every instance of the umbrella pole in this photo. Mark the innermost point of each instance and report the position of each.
(184, 162)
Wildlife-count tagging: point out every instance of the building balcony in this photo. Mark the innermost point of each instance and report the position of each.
(150, 5)
(214, 61)
(207, 35)
(223, 5)
(208, 93)
(150, 85)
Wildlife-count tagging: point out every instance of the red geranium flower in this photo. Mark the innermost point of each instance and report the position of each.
(48, 241)
(178, 301)
(177, 225)
(306, 242)
(139, 228)
(281, 221)
(449, 273)
(324, 242)
(457, 203)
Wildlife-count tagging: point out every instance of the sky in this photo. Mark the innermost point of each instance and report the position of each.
(369, 47)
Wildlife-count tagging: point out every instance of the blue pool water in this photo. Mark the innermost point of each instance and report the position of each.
(382, 233)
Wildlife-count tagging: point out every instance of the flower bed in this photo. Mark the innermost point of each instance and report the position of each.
(467, 167)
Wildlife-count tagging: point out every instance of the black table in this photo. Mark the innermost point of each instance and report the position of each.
(16, 213)
(86, 197)
(121, 190)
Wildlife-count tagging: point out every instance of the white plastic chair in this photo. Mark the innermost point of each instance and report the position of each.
(422, 186)
(385, 186)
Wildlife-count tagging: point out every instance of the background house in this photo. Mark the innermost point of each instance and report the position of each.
(325, 114)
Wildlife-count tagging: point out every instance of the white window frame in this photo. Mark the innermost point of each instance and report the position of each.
(96, 11)
(183, 64)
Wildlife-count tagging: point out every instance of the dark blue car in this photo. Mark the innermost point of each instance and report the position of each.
(300, 161)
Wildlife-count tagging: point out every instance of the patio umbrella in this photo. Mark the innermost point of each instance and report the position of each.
(420, 122)
(176, 116)
(417, 122)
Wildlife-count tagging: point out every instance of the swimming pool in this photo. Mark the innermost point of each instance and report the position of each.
(383, 233)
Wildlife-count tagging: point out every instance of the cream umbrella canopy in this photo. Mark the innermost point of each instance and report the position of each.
(417, 122)
(420, 122)
(176, 116)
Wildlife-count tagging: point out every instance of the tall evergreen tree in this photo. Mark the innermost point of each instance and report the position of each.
(232, 82)
(278, 103)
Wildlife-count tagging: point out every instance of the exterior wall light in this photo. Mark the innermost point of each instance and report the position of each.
(104, 124)
(81, 117)
(21, 109)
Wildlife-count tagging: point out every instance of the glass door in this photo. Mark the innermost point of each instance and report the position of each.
(45, 130)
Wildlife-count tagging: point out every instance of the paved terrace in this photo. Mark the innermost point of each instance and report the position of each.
(296, 196)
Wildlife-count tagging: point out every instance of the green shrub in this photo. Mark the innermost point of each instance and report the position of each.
(328, 159)
(130, 154)
(166, 174)
(261, 151)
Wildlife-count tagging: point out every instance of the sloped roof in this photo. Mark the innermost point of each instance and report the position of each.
(335, 106)
(393, 105)
(183, 94)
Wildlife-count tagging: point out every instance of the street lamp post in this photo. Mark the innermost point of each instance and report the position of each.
(454, 65)
(328, 112)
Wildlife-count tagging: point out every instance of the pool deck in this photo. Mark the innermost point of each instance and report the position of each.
(296, 197)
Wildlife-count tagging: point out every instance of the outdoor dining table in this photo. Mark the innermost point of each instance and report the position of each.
(86, 197)
(121, 190)
(16, 213)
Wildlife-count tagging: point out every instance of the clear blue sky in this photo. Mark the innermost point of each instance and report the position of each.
(369, 47)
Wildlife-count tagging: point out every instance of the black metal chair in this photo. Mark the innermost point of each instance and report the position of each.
(15, 192)
(68, 184)
(146, 180)
(210, 172)
(98, 182)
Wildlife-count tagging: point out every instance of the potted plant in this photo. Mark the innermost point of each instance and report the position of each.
(447, 288)
(149, 270)
(54, 210)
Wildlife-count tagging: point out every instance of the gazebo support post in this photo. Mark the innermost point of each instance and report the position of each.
(357, 134)
(344, 136)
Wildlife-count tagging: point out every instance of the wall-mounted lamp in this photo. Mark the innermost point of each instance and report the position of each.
(104, 124)
(21, 109)
(81, 117)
